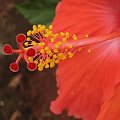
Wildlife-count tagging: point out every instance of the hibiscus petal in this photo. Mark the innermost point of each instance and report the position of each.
(93, 17)
(111, 109)
(88, 79)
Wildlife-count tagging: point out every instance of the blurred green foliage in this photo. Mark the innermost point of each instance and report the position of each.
(38, 11)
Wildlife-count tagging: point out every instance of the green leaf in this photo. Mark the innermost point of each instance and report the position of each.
(39, 11)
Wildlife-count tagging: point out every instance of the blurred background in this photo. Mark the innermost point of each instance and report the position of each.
(25, 95)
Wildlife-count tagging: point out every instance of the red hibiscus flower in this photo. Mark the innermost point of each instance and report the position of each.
(88, 84)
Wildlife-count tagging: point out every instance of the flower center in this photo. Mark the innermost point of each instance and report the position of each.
(48, 46)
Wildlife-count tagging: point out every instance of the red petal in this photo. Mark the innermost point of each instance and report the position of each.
(111, 109)
(91, 78)
(88, 79)
(93, 17)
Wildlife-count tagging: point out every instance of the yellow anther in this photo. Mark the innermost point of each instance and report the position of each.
(86, 35)
(54, 56)
(79, 49)
(50, 53)
(28, 39)
(60, 55)
(33, 32)
(47, 60)
(62, 34)
(56, 35)
(70, 54)
(50, 33)
(42, 51)
(47, 30)
(43, 27)
(39, 26)
(67, 34)
(70, 46)
(47, 48)
(74, 35)
(52, 40)
(41, 44)
(64, 39)
(38, 30)
(41, 64)
(50, 27)
(30, 59)
(40, 68)
(59, 43)
(52, 64)
(47, 66)
(55, 50)
(46, 35)
(56, 61)
(26, 43)
(34, 28)
(63, 57)
(75, 38)
(33, 43)
(56, 46)
(29, 33)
